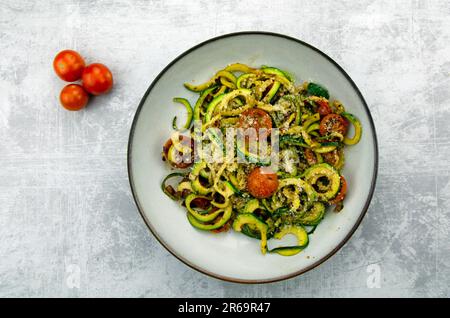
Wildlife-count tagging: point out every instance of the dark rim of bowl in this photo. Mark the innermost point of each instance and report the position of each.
(250, 281)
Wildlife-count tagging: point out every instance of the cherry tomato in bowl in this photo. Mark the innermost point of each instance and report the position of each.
(175, 158)
(324, 108)
(73, 97)
(68, 65)
(333, 123)
(342, 192)
(258, 119)
(97, 79)
(262, 182)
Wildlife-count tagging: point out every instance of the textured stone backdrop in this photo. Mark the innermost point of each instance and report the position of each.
(65, 205)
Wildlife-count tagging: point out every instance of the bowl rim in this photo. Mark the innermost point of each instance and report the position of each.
(198, 268)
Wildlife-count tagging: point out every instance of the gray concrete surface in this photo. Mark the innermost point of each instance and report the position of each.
(68, 224)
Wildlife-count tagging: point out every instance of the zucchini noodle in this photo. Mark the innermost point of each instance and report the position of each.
(313, 133)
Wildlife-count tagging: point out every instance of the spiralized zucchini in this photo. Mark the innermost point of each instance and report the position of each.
(312, 138)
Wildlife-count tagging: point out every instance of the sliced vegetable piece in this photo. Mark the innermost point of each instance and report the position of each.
(243, 152)
(245, 93)
(165, 188)
(189, 111)
(314, 215)
(176, 158)
(277, 71)
(242, 78)
(358, 129)
(194, 176)
(218, 222)
(310, 120)
(184, 185)
(303, 186)
(198, 88)
(326, 147)
(293, 140)
(227, 83)
(256, 224)
(212, 106)
(338, 107)
(221, 90)
(317, 90)
(272, 92)
(309, 141)
(201, 100)
(324, 170)
(239, 67)
(199, 188)
(342, 192)
(225, 191)
(204, 215)
(251, 206)
(302, 240)
(232, 187)
(312, 127)
(267, 205)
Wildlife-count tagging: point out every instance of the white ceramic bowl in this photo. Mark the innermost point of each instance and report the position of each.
(232, 256)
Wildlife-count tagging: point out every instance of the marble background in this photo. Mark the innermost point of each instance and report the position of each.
(68, 224)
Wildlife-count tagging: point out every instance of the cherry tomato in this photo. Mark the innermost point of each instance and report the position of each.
(182, 164)
(310, 156)
(324, 108)
(262, 182)
(331, 157)
(256, 118)
(68, 65)
(333, 122)
(342, 192)
(97, 79)
(73, 97)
